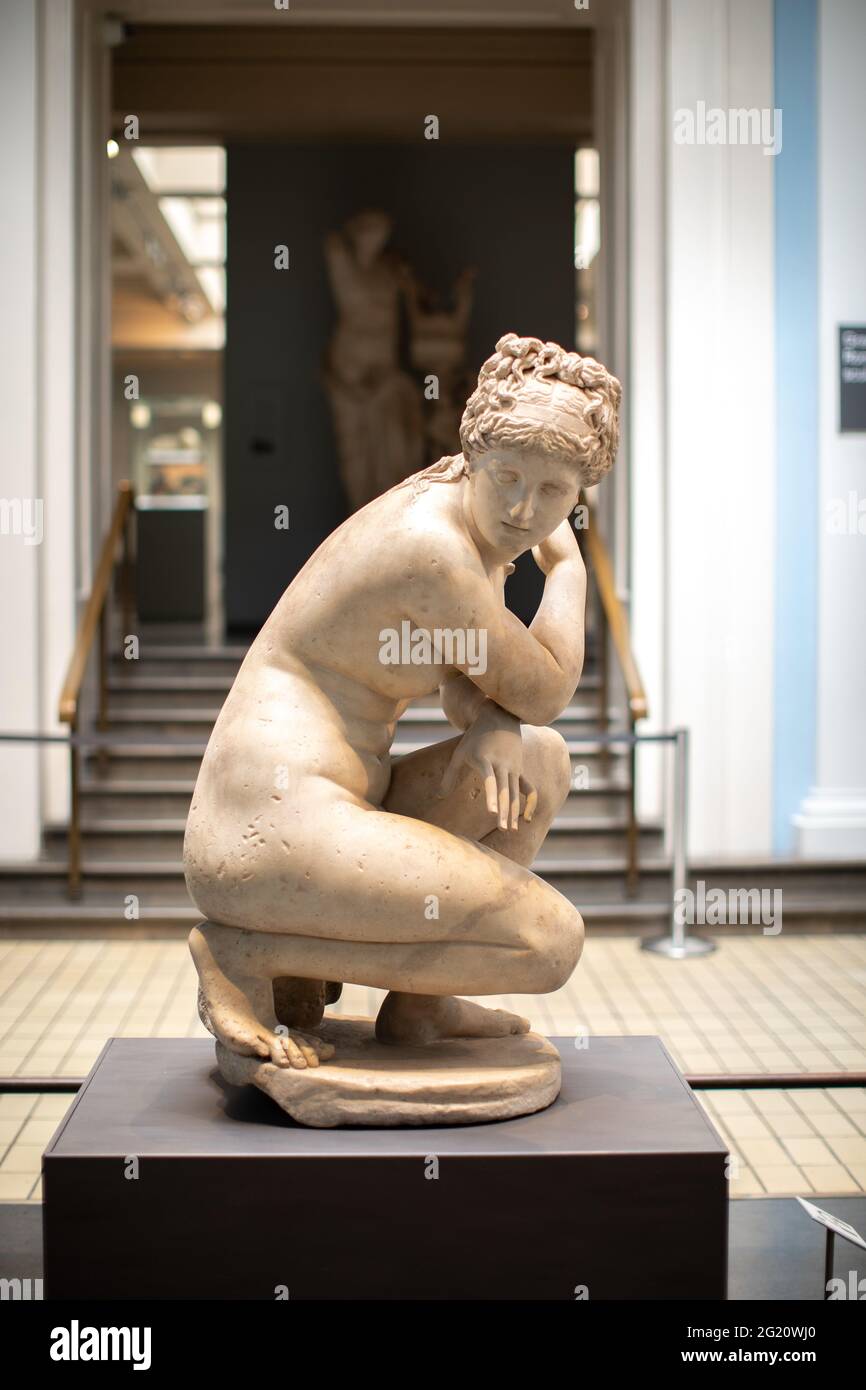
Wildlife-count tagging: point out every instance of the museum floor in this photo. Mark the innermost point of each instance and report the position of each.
(756, 1005)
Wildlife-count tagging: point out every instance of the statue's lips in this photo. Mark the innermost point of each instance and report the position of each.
(511, 526)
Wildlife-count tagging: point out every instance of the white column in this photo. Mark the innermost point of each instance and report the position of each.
(19, 480)
(56, 377)
(647, 381)
(38, 142)
(703, 486)
(832, 820)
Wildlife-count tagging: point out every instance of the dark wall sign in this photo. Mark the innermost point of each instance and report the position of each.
(852, 378)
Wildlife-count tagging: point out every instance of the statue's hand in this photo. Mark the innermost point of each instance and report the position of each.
(493, 748)
(559, 547)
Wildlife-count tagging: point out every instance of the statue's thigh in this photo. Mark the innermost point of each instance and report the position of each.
(417, 777)
(366, 874)
(414, 791)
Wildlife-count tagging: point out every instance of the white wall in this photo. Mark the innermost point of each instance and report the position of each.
(37, 405)
(646, 403)
(56, 382)
(19, 481)
(833, 819)
(703, 485)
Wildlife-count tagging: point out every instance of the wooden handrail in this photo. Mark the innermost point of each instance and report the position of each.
(94, 619)
(615, 616)
(93, 610)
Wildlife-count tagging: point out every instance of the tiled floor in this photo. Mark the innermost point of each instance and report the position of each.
(758, 1004)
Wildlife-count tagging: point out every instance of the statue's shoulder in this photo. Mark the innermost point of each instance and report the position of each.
(427, 541)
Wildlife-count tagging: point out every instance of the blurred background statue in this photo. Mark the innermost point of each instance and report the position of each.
(437, 345)
(376, 406)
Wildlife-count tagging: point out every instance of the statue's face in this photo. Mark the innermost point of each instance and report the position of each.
(370, 234)
(517, 499)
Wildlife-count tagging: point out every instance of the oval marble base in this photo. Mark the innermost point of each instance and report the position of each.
(459, 1081)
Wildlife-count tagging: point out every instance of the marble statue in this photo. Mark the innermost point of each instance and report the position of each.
(375, 405)
(317, 858)
(437, 349)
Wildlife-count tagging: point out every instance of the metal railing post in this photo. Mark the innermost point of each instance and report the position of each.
(679, 855)
(679, 946)
(632, 834)
(73, 881)
(604, 680)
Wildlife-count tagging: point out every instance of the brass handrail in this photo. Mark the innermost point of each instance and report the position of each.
(615, 617)
(93, 618)
(616, 625)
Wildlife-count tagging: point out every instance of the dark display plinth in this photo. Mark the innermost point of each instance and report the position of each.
(170, 565)
(619, 1188)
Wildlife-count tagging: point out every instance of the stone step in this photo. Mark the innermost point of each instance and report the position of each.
(81, 920)
(117, 798)
(137, 676)
(132, 798)
(170, 660)
(194, 722)
(152, 746)
(129, 875)
(198, 653)
(139, 839)
(595, 877)
(168, 692)
(178, 662)
(164, 909)
(417, 727)
(145, 765)
(156, 761)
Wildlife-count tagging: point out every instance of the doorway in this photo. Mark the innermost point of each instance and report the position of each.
(168, 218)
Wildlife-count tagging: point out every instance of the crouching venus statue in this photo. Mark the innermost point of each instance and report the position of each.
(317, 858)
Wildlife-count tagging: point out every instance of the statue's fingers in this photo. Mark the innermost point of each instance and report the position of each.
(503, 801)
(490, 787)
(514, 790)
(531, 799)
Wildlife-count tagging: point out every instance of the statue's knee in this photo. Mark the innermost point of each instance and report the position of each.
(555, 938)
(549, 767)
(566, 945)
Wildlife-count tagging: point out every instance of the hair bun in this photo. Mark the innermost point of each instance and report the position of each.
(515, 364)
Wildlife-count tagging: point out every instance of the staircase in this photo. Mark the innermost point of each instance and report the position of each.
(156, 713)
(135, 795)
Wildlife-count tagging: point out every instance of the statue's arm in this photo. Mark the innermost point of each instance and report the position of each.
(461, 700)
(559, 622)
(531, 673)
(339, 263)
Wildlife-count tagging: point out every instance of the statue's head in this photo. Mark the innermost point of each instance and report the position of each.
(368, 231)
(542, 424)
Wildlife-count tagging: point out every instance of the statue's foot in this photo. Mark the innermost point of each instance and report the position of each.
(300, 1003)
(426, 1018)
(239, 1009)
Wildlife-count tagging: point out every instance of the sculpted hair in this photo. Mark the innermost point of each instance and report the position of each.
(514, 384)
(525, 366)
